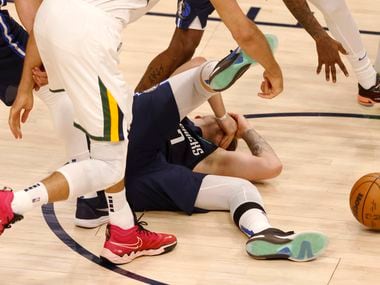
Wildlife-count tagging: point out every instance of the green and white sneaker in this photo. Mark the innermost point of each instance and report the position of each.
(230, 68)
(275, 244)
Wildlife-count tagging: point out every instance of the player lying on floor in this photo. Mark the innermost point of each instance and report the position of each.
(154, 183)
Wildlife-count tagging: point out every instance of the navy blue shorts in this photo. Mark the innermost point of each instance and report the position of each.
(188, 10)
(151, 182)
(13, 39)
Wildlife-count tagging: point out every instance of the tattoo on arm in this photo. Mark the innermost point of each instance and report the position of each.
(256, 143)
(301, 11)
(156, 75)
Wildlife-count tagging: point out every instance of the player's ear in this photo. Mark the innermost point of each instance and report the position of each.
(198, 117)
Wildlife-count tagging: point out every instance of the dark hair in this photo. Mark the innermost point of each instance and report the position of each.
(233, 145)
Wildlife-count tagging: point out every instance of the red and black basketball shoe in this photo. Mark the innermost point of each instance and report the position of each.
(7, 217)
(122, 246)
(370, 97)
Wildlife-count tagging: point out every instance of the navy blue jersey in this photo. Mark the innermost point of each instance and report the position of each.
(188, 10)
(152, 182)
(13, 39)
(186, 145)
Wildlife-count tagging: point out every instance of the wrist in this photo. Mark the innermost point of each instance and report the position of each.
(222, 118)
(320, 36)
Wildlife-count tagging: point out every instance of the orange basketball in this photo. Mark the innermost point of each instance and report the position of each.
(365, 200)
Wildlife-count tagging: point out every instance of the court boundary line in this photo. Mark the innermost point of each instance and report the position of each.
(252, 14)
(53, 223)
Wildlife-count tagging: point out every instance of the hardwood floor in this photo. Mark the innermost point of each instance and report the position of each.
(323, 155)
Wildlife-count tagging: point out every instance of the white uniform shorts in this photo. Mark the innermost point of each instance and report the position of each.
(78, 44)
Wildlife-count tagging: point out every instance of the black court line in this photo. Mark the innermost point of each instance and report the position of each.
(313, 114)
(252, 14)
(53, 223)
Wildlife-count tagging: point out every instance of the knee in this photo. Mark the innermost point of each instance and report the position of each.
(198, 60)
(113, 160)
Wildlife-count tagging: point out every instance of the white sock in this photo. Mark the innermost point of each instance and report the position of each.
(365, 72)
(253, 221)
(203, 74)
(29, 198)
(119, 210)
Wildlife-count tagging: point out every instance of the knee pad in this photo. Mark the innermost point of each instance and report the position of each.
(105, 168)
(114, 155)
(246, 198)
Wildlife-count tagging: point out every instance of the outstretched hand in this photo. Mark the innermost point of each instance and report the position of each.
(328, 51)
(19, 112)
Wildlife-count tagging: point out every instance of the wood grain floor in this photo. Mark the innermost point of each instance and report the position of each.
(323, 156)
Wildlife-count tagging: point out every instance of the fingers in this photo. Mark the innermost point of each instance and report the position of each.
(226, 141)
(330, 69)
(268, 92)
(319, 67)
(39, 77)
(327, 72)
(343, 68)
(333, 72)
(14, 123)
(25, 115)
(342, 49)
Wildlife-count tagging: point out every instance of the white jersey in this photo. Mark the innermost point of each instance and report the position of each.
(126, 10)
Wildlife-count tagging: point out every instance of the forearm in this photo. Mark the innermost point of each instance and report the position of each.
(26, 10)
(32, 59)
(301, 11)
(257, 145)
(217, 105)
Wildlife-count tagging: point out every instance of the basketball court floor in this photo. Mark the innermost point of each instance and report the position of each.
(325, 140)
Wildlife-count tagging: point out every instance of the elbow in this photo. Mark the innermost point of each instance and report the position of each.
(269, 171)
(276, 169)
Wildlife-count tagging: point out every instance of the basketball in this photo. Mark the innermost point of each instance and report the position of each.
(365, 200)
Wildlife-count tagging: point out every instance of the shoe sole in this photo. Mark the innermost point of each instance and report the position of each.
(237, 70)
(364, 101)
(298, 247)
(90, 224)
(16, 218)
(108, 256)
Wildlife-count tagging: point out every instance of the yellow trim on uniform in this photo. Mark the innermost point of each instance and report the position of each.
(114, 114)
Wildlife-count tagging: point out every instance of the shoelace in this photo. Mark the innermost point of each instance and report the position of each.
(5, 188)
(141, 225)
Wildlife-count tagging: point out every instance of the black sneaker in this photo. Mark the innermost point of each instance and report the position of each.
(92, 212)
(275, 244)
(371, 96)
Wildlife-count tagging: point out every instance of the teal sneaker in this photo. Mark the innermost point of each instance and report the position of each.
(230, 68)
(275, 244)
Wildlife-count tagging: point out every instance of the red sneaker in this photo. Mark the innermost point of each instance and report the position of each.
(122, 246)
(7, 217)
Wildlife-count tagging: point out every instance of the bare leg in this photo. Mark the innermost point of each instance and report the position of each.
(180, 50)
